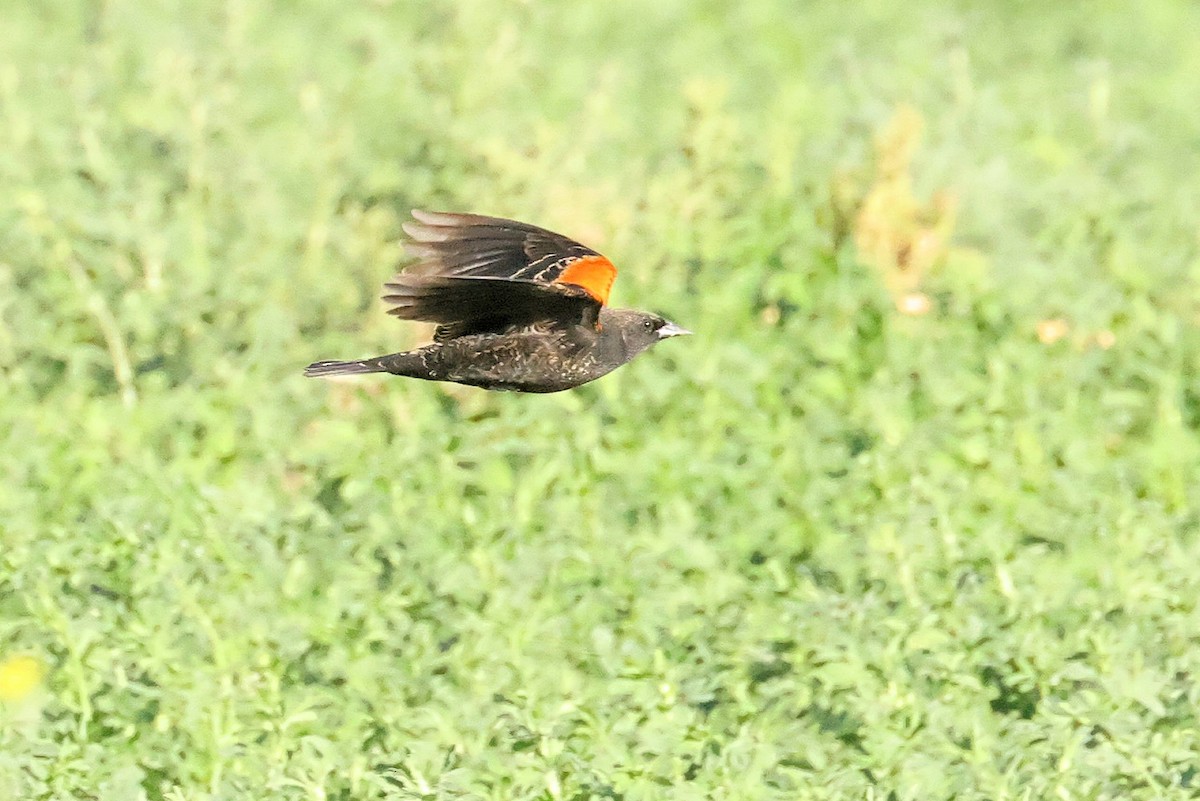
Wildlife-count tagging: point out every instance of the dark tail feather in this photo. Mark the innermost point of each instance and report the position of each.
(319, 369)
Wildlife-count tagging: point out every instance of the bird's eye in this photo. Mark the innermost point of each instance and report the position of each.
(649, 325)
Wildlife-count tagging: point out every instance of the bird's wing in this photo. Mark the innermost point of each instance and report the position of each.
(490, 247)
(472, 304)
(476, 273)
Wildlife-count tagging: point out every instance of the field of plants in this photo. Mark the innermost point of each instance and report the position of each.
(914, 514)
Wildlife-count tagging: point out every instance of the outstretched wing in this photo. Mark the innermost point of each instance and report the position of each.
(471, 245)
(477, 273)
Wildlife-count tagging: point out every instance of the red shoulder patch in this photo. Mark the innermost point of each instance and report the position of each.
(594, 273)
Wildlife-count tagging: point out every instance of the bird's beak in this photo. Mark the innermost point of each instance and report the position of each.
(672, 330)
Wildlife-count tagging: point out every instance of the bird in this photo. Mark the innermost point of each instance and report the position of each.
(518, 308)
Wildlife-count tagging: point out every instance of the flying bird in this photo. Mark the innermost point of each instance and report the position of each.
(517, 307)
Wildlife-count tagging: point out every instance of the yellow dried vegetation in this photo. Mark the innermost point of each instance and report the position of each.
(902, 238)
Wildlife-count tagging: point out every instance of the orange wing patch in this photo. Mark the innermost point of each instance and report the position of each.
(594, 273)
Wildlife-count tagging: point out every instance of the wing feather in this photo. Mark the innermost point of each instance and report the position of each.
(475, 273)
(472, 244)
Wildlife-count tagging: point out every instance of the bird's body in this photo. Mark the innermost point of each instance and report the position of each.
(530, 359)
(518, 308)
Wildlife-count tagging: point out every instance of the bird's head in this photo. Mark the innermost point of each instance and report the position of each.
(638, 329)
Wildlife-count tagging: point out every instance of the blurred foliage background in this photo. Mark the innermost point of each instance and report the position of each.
(913, 515)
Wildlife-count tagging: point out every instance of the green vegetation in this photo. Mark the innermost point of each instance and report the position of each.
(913, 516)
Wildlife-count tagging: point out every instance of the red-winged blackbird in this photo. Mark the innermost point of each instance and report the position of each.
(517, 307)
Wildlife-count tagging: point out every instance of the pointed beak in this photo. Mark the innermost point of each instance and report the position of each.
(672, 330)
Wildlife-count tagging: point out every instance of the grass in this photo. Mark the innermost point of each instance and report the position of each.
(913, 515)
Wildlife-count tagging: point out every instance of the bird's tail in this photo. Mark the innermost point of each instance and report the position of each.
(319, 369)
